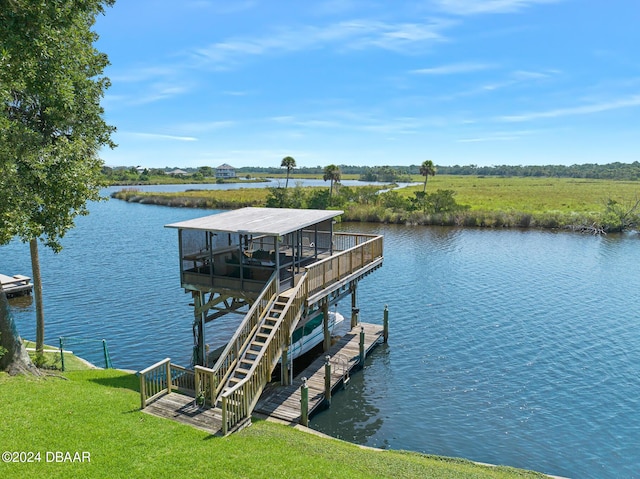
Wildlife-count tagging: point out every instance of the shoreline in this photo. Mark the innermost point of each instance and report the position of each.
(571, 221)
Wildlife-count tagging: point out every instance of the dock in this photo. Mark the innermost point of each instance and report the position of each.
(288, 267)
(182, 408)
(283, 402)
(16, 285)
(276, 401)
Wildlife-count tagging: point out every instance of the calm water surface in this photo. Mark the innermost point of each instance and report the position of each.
(507, 347)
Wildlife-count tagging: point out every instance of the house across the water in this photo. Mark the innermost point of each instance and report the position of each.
(225, 171)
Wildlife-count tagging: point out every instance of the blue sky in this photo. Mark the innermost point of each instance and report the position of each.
(486, 82)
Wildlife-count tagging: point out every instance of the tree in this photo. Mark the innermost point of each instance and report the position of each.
(427, 168)
(13, 355)
(51, 125)
(289, 163)
(331, 173)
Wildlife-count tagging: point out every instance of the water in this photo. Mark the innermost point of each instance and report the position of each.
(507, 347)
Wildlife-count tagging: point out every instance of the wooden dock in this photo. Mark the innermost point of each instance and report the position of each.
(283, 402)
(280, 402)
(16, 285)
(182, 408)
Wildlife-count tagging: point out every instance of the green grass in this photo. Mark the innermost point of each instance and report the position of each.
(53, 360)
(223, 199)
(96, 411)
(531, 195)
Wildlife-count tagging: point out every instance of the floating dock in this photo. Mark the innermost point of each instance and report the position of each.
(17, 285)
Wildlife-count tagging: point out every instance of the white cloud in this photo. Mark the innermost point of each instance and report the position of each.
(157, 136)
(473, 7)
(204, 126)
(498, 136)
(346, 35)
(453, 68)
(574, 111)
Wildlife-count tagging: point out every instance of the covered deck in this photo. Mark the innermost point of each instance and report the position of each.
(240, 250)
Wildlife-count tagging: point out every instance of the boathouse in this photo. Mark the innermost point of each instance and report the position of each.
(276, 268)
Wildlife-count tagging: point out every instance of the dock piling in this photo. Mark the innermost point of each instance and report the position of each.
(327, 380)
(304, 403)
(385, 324)
(362, 348)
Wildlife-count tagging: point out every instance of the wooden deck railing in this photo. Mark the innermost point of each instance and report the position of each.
(360, 251)
(229, 357)
(205, 384)
(238, 401)
(163, 377)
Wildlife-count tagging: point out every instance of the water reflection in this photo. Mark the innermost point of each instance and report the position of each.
(356, 418)
(22, 303)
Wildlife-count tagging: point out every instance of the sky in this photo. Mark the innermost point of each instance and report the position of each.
(372, 82)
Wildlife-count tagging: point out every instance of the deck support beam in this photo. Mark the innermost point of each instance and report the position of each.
(354, 304)
(325, 327)
(198, 329)
(284, 370)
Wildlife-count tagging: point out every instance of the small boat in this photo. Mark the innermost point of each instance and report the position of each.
(304, 338)
(310, 334)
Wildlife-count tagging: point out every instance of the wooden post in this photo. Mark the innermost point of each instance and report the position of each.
(385, 324)
(225, 427)
(168, 377)
(354, 308)
(325, 327)
(327, 379)
(284, 370)
(143, 392)
(362, 351)
(197, 380)
(304, 403)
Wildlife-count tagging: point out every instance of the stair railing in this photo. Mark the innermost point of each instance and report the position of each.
(241, 338)
(239, 400)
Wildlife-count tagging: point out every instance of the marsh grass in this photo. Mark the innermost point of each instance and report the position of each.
(492, 202)
(97, 411)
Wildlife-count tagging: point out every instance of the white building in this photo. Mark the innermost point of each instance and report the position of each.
(225, 171)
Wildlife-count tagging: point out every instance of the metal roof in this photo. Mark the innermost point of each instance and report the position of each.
(264, 221)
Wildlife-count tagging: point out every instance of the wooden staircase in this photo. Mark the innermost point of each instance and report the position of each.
(245, 368)
(258, 342)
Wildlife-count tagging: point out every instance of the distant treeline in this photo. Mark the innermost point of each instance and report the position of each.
(610, 171)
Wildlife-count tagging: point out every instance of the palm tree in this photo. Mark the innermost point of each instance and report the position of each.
(288, 163)
(332, 172)
(427, 168)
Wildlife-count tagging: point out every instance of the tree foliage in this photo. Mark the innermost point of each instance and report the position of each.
(289, 163)
(51, 125)
(51, 122)
(427, 169)
(332, 174)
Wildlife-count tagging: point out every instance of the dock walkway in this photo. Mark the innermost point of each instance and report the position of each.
(283, 402)
(182, 408)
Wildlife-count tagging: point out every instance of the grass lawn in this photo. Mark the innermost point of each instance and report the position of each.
(53, 360)
(97, 412)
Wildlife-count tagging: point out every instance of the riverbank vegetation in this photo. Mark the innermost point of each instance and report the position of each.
(97, 412)
(526, 202)
(609, 171)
